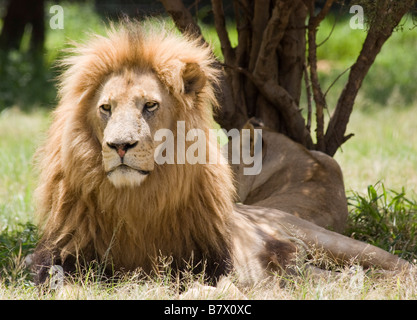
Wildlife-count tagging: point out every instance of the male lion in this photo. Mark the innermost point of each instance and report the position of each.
(102, 197)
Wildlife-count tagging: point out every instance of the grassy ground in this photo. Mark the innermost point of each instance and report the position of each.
(382, 153)
(348, 284)
(384, 149)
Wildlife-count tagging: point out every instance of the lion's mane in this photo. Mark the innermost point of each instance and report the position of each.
(182, 211)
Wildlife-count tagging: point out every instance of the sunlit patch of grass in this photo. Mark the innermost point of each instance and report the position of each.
(20, 134)
(384, 148)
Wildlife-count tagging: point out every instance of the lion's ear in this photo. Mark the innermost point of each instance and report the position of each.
(254, 136)
(194, 78)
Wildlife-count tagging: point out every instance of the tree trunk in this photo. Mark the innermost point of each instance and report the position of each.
(19, 14)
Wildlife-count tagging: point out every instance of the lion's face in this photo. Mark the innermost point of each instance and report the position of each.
(131, 107)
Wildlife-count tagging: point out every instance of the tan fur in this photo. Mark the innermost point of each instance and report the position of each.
(308, 184)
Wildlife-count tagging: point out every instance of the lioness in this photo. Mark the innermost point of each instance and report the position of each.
(306, 183)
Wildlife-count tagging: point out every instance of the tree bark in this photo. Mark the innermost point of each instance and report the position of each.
(291, 53)
(228, 116)
(267, 67)
(318, 95)
(232, 57)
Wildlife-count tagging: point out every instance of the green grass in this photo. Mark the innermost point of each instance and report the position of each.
(379, 165)
(20, 134)
(386, 219)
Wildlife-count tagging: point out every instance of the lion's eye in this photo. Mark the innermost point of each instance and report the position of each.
(105, 107)
(151, 106)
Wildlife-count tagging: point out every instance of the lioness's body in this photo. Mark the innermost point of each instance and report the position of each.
(308, 184)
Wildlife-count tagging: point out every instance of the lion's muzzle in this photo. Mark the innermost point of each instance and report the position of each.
(127, 164)
(126, 167)
(127, 147)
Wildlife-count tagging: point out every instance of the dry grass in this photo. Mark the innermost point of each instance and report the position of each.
(348, 283)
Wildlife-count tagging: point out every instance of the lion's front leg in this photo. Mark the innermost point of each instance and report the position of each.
(47, 265)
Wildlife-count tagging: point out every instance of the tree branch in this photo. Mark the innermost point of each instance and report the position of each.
(243, 31)
(316, 20)
(308, 96)
(292, 52)
(244, 88)
(259, 23)
(220, 24)
(280, 98)
(182, 17)
(318, 95)
(271, 38)
(386, 19)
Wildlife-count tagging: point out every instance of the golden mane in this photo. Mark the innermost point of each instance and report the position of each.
(183, 211)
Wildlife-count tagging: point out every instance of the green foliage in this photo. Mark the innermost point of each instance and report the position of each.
(15, 244)
(28, 78)
(386, 219)
(80, 20)
(25, 80)
(373, 11)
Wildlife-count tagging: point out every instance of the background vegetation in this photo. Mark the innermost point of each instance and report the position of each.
(379, 163)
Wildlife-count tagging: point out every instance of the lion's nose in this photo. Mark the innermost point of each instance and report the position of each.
(122, 148)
